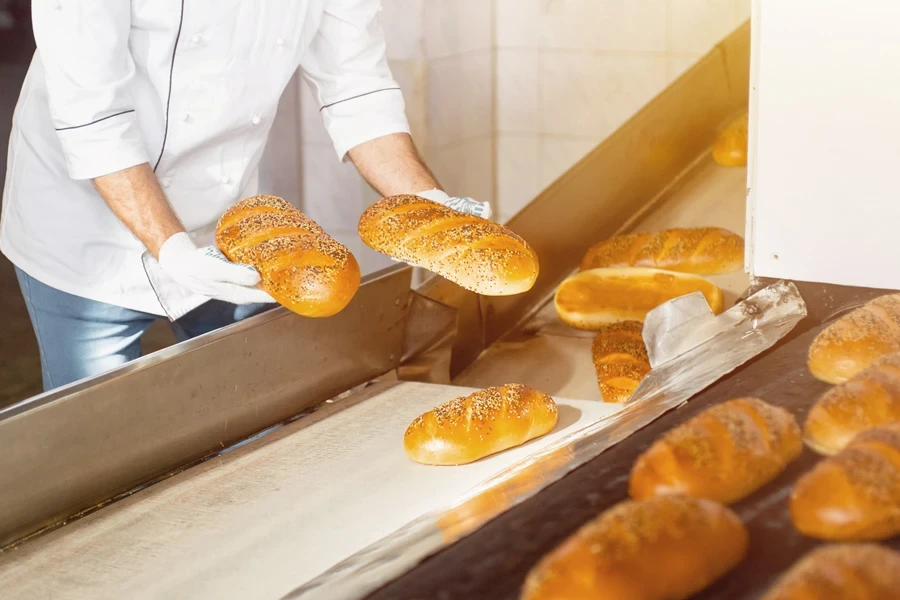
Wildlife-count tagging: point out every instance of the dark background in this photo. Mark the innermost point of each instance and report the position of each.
(20, 369)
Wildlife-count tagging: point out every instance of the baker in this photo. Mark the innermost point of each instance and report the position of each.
(140, 123)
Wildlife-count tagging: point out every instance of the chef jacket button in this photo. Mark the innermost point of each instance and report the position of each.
(186, 117)
(226, 180)
(196, 39)
(279, 42)
(165, 182)
(256, 120)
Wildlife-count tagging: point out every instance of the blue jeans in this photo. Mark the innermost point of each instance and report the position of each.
(80, 338)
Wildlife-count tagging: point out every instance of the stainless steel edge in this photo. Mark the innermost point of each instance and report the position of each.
(70, 449)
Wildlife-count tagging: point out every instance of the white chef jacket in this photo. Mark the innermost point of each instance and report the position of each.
(189, 86)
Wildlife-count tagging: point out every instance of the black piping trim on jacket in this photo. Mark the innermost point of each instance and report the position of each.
(358, 96)
(124, 112)
(169, 97)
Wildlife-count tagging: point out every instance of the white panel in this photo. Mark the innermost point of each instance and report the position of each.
(824, 191)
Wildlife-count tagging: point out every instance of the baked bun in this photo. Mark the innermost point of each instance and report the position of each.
(730, 148)
(301, 266)
(856, 340)
(701, 250)
(841, 572)
(469, 428)
(853, 496)
(868, 400)
(664, 548)
(479, 255)
(723, 454)
(590, 299)
(620, 359)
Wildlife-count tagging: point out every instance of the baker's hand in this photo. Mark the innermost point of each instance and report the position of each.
(466, 205)
(207, 272)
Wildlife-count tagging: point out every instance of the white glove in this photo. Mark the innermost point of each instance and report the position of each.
(465, 205)
(207, 272)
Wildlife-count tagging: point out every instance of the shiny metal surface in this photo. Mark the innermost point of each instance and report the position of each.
(70, 449)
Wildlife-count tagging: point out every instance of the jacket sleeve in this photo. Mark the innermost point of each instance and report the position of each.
(83, 48)
(347, 68)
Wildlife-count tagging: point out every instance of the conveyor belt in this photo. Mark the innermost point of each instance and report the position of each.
(493, 561)
(258, 521)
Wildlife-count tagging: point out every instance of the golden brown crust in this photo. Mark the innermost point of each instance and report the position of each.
(723, 454)
(855, 494)
(301, 266)
(841, 572)
(594, 298)
(469, 428)
(870, 399)
(477, 254)
(730, 147)
(701, 250)
(620, 359)
(856, 340)
(664, 548)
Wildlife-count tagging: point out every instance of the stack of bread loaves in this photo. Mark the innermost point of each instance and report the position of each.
(675, 536)
(621, 279)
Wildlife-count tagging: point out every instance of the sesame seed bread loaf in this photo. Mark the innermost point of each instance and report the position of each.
(469, 428)
(856, 340)
(730, 148)
(853, 496)
(479, 255)
(723, 454)
(620, 359)
(663, 548)
(590, 299)
(301, 266)
(841, 572)
(868, 400)
(700, 250)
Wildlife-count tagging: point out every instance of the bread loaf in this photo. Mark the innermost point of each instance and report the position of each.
(856, 340)
(479, 255)
(841, 572)
(664, 548)
(868, 400)
(702, 251)
(723, 454)
(855, 494)
(469, 428)
(301, 266)
(597, 297)
(730, 147)
(620, 359)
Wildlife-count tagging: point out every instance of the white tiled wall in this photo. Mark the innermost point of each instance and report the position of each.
(570, 72)
(503, 96)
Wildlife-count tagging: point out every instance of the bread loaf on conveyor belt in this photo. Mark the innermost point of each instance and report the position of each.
(856, 340)
(469, 428)
(855, 494)
(724, 454)
(481, 256)
(594, 298)
(701, 250)
(730, 147)
(868, 400)
(620, 359)
(841, 572)
(301, 266)
(664, 548)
